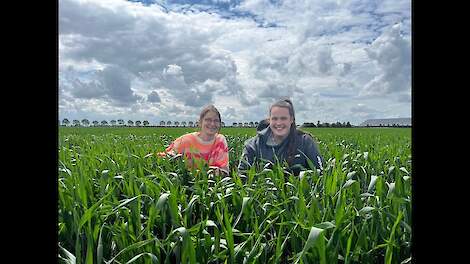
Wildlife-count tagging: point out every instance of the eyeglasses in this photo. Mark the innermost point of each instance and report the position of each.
(281, 118)
(208, 120)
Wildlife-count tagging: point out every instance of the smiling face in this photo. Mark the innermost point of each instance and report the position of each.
(210, 125)
(280, 122)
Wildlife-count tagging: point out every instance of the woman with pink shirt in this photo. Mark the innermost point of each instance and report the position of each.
(205, 145)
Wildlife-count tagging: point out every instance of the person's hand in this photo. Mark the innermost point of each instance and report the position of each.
(218, 171)
(169, 154)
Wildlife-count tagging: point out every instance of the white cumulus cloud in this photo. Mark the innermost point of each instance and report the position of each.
(165, 60)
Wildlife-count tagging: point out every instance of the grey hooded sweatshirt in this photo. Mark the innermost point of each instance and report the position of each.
(257, 150)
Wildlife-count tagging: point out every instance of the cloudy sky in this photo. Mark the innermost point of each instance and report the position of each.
(165, 59)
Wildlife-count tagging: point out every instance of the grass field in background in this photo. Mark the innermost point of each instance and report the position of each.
(177, 131)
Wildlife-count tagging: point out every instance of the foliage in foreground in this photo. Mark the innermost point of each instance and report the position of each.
(119, 203)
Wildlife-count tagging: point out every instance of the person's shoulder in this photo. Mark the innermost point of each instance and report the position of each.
(305, 135)
(220, 136)
(259, 137)
(263, 133)
(252, 141)
(262, 125)
(187, 137)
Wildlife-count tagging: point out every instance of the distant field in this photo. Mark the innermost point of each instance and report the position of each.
(177, 131)
(120, 203)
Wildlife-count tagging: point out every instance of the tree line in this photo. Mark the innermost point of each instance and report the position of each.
(326, 124)
(86, 122)
(121, 122)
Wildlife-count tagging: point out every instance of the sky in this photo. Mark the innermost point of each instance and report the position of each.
(164, 60)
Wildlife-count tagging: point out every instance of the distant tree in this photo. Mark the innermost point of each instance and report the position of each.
(146, 123)
(104, 123)
(307, 124)
(85, 122)
(138, 123)
(326, 124)
(120, 122)
(256, 123)
(95, 123)
(65, 122)
(76, 122)
(348, 124)
(162, 123)
(196, 124)
(251, 124)
(222, 124)
(234, 124)
(130, 123)
(177, 123)
(183, 124)
(168, 123)
(113, 122)
(240, 124)
(191, 123)
(318, 123)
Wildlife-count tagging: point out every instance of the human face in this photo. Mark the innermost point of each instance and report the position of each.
(280, 122)
(210, 124)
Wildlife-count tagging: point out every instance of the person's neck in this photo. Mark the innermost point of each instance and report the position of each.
(206, 137)
(278, 139)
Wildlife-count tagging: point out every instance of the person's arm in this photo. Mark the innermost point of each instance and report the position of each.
(312, 152)
(221, 159)
(172, 149)
(248, 156)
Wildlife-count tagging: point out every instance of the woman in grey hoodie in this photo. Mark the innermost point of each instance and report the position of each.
(281, 141)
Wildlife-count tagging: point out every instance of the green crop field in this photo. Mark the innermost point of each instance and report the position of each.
(119, 203)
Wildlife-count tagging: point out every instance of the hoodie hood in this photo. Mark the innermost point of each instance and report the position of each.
(264, 133)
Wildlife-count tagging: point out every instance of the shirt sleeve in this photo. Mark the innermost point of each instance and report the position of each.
(312, 153)
(173, 148)
(221, 158)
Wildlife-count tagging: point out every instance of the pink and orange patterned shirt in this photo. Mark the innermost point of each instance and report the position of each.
(214, 152)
